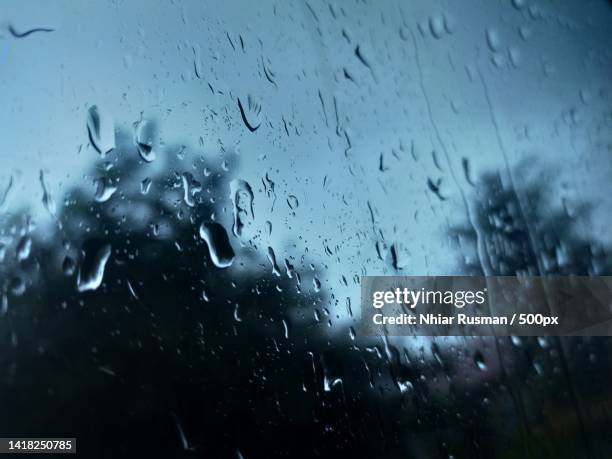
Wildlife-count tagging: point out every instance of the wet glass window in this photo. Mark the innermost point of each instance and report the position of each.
(191, 192)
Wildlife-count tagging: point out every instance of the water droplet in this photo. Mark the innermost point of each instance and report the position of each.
(363, 54)
(101, 129)
(493, 39)
(217, 240)
(145, 185)
(436, 26)
(250, 113)
(237, 317)
(91, 272)
(435, 187)
(17, 286)
(68, 266)
(515, 57)
(104, 189)
(292, 202)
(585, 96)
(316, 284)
(480, 361)
(4, 197)
(466, 171)
(23, 248)
(272, 260)
(518, 4)
(143, 136)
(449, 24)
(329, 383)
(47, 199)
(404, 387)
(289, 269)
(539, 369)
(241, 195)
(525, 32)
(191, 187)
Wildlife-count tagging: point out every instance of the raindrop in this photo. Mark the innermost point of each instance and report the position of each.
(219, 247)
(480, 362)
(364, 58)
(241, 195)
(47, 199)
(143, 136)
(23, 248)
(449, 24)
(436, 26)
(493, 39)
(329, 383)
(18, 34)
(190, 188)
(237, 317)
(101, 129)
(250, 114)
(145, 185)
(289, 269)
(525, 32)
(316, 284)
(272, 259)
(4, 197)
(104, 189)
(435, 188)
(292, 202)
(404, 387)
(17, 286)
(181, 432)
(538, 368)
(91, 272)
(466, 171)
(585, 96)
(515, 57)
(68, 266)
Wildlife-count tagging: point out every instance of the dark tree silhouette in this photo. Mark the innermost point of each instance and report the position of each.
(554, 387)
(171, 355)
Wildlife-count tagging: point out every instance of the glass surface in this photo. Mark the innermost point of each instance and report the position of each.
(191, 190)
